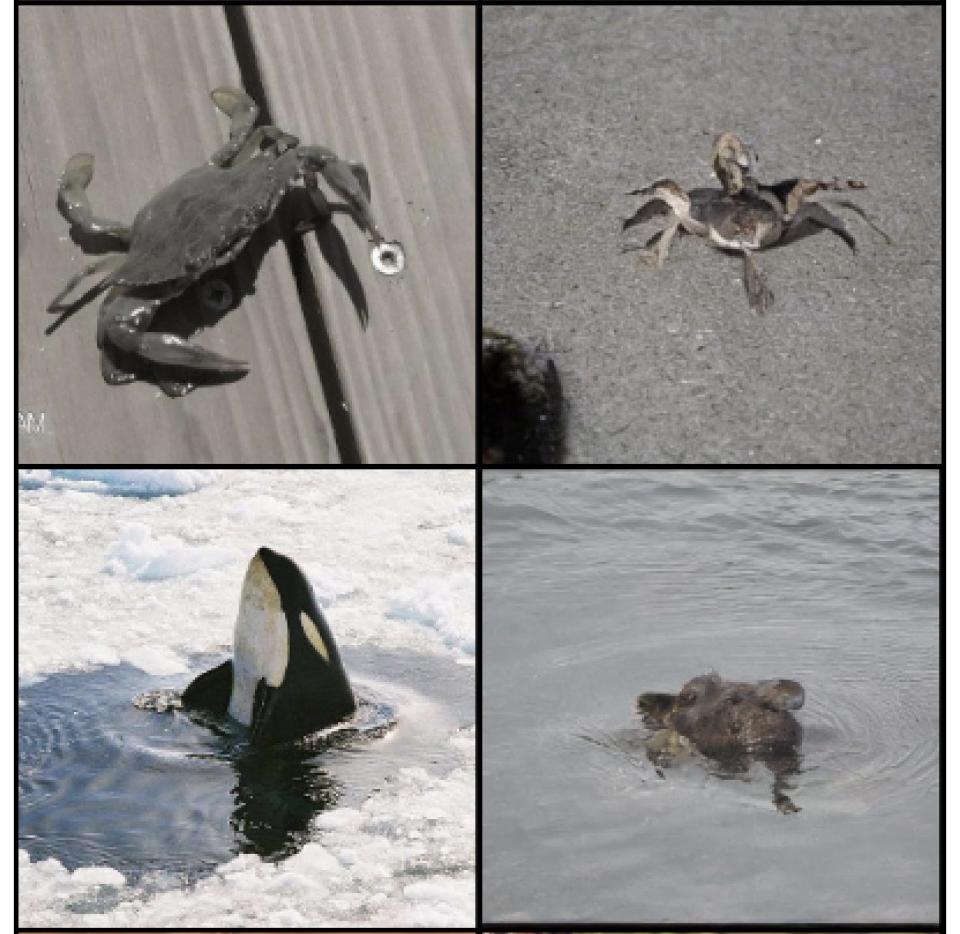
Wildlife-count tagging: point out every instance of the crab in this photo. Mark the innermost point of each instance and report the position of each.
(200, 222)
(746, 216)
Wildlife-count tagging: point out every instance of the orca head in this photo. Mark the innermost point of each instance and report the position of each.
(287, 677)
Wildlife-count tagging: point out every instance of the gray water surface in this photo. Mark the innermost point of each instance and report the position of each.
(600, 585)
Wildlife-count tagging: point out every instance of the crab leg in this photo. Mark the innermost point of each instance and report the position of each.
(280, 141)
(859, 210)
(243, 112)
(811, 216)
(110, 263)
(793, 192)
(653, 208)
(320, 203)
(350, 180)
(74, 204)
(662, 240)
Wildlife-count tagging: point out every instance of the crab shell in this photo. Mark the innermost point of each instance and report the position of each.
(204, 219)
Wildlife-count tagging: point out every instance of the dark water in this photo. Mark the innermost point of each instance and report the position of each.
(598, 586)
(102, 782)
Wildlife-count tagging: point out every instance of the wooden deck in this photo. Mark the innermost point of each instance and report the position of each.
(391, 86)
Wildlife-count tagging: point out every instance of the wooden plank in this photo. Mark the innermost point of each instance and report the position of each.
(395, 88)
(131, 85)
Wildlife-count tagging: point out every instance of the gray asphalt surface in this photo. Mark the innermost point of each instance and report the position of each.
(582, 104)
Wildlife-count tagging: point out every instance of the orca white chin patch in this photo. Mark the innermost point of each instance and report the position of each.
(261, 644)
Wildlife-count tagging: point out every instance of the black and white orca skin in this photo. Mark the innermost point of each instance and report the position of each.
(286, 679)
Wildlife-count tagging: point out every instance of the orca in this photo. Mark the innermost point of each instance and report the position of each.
(286, 679)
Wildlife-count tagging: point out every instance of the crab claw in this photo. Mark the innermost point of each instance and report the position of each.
(122, 318)
(170, 350)
(345, 180)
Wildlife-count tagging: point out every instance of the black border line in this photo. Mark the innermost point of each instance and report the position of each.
(184, 929)
(771, 927)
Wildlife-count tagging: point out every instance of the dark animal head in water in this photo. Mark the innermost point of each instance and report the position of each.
(727, 719)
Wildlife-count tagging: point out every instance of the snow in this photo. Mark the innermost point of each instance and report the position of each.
(89, 876)
(136, 553)
(143, 483)
(154, 577)
(460, 535)
(156, 661)
(443, 604)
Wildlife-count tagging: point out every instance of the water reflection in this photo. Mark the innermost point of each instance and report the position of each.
(104, 782)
